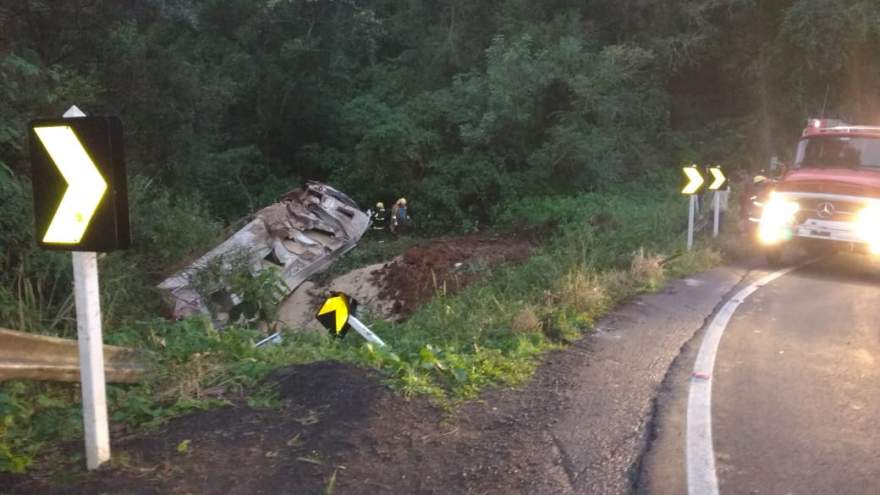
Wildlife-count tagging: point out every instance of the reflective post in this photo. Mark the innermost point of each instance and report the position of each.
(91, 359)
(691, 210)
(717, 201)
(365, 331)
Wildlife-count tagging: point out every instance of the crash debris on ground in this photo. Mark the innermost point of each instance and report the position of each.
(297, 237)
(396, 289)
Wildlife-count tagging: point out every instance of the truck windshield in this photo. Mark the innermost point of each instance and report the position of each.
(838, 152)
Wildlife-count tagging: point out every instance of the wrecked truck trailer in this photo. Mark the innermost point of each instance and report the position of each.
(299, 236)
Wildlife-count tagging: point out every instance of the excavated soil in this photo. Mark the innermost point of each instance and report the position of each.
(445, 267)
(394, 290)
(298, 310)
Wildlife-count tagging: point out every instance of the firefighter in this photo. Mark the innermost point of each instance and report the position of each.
(753, 198)
(744, 200)
(379, 217)
(399, 216)
(761, 187)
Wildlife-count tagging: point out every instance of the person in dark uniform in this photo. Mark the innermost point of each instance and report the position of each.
(379, 218)
(754, 195)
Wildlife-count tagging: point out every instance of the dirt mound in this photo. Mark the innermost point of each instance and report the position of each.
(329, 384)
(298, 310)
(445, 267)
(394, 290)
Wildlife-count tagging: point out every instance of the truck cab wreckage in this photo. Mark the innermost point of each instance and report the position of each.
(300, 235)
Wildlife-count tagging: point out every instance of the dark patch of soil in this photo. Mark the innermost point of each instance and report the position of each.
(338, 418)
(327, 410)
(446, 266)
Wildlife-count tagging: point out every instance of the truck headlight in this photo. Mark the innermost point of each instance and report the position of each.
(867, 226)
(776, 220)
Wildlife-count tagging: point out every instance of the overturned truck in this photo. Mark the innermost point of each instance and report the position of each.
(297, 237)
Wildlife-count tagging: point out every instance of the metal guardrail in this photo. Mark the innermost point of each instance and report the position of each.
(27, 356)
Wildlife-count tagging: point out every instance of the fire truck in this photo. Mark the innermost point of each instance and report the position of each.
(829, 198)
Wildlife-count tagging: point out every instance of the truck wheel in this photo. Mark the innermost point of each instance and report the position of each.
(773, 256)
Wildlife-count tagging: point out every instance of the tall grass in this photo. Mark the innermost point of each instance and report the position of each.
(41, 303)
(604, 248)
(608, 247)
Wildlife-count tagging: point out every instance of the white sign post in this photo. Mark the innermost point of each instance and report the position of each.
(691, 210)
(91, 351)
(365, 332)
(717, 203)
(91, 359)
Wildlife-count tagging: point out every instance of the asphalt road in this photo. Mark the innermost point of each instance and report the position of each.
(605, 423)
(795, 390)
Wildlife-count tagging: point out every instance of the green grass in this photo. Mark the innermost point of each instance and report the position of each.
(607, 247)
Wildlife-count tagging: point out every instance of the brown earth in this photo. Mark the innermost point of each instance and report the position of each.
(395, 289)
(338, 418)
(298, 310)
(445, 267)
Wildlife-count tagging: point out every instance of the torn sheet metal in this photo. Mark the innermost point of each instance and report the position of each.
(299, 236)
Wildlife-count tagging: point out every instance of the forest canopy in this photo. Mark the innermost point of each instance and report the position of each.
(456, 104)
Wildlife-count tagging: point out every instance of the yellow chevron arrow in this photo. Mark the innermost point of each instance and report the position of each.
(695, 180)
(338, 305)
(85, 185)
(718, 176)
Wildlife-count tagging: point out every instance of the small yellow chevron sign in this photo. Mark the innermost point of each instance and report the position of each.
(694, 178)
(334, 313)
(718, 178)
(85, 185)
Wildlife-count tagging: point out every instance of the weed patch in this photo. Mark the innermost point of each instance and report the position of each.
(606, 248)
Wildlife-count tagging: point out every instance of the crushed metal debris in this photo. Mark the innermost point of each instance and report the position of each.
(299, 236)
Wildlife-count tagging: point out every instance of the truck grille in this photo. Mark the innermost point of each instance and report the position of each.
(826, 209)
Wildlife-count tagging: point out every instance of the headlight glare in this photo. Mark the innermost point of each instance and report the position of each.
(868, 226)
(776, 219)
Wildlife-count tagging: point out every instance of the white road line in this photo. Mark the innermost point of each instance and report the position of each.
(701, 477)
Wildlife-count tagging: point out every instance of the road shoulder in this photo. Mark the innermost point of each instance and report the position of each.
(581, 425)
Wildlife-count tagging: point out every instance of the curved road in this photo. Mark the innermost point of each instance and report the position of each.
(796, 398)
(795, 390)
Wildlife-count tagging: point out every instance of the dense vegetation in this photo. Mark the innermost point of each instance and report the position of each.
(492, 333)
(461, 106)
(458, 105)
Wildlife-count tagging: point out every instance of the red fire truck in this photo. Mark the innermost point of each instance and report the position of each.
(829, 199)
